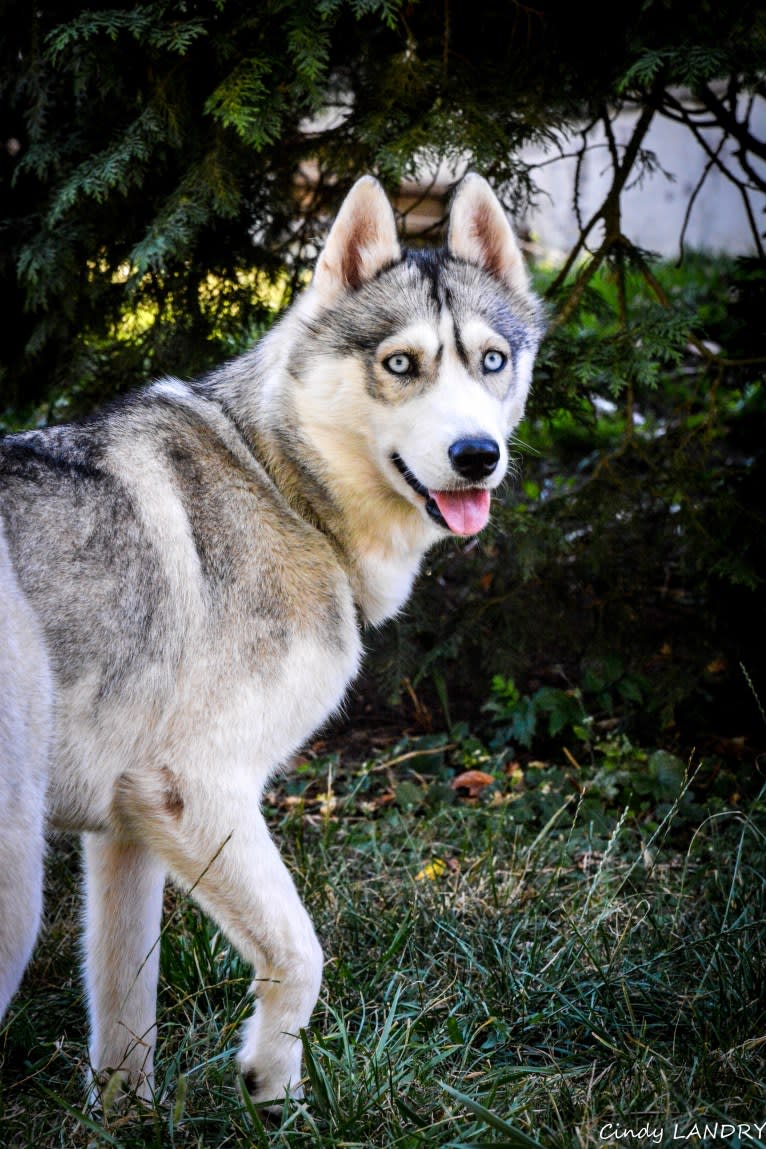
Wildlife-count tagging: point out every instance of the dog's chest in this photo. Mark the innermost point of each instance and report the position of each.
(274, 714)
(278, 649)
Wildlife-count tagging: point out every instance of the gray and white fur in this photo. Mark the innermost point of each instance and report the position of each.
(183, 580)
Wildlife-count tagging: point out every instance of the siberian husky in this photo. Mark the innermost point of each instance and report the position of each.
(183, 580)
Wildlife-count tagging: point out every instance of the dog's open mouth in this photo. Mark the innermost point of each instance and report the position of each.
(464, 512)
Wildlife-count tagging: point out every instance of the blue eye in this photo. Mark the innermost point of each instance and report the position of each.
(399, 363)
(494, 361)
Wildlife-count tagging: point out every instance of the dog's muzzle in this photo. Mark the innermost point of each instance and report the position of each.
(463, 511)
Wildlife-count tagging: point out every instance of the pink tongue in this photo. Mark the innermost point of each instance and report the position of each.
(464, 512)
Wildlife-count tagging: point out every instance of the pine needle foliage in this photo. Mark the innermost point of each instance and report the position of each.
(148, 148)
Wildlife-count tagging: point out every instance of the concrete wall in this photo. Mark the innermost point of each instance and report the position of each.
(654, 209)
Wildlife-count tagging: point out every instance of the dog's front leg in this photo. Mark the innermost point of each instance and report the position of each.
(222, 852)
(124, 885)
(288, 965)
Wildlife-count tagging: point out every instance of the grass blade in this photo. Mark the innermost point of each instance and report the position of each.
(518, 1139)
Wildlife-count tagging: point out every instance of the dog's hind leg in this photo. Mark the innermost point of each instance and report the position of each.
(222, 852)
(21, 877)
(25, 733)
(123, 911)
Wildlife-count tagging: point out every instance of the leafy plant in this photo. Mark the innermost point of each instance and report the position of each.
(519, 718)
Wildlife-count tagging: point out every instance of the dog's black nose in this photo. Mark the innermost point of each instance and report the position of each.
(474, 458)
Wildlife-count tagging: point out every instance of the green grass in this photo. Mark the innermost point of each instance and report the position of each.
(555, 976)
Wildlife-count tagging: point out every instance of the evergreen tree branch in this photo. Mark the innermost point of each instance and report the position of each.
(727, 118)
(608, 212)
(682, 116)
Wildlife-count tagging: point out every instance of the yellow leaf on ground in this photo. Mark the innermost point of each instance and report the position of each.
(432, 871)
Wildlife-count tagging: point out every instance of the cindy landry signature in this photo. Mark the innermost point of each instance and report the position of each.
(696, 1131)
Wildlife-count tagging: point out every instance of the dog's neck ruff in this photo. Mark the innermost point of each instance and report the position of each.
(381, 570)
(306, 495)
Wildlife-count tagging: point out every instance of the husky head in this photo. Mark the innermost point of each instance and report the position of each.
(424, 356)
(410, 369)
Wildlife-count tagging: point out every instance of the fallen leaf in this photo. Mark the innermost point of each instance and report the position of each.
(435, 869)
(473, 781)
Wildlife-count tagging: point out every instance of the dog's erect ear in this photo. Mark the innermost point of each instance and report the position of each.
(361, 241)
(479, 232)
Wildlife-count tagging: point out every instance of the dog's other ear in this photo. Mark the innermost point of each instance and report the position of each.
(479, 232)
(361, 241)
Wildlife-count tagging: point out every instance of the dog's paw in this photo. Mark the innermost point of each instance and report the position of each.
(115, 1091)
(269, 1094)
